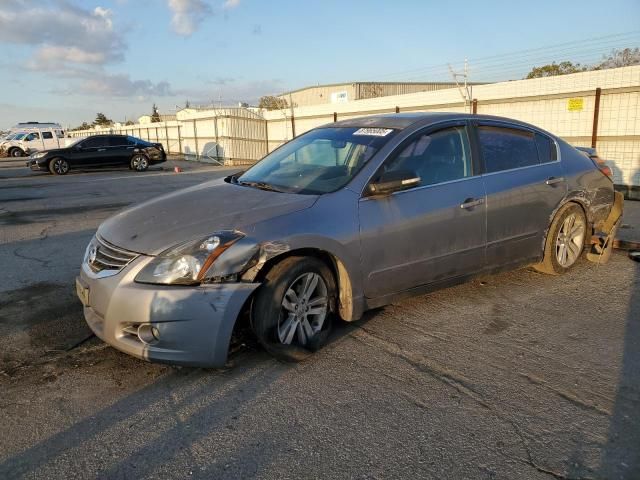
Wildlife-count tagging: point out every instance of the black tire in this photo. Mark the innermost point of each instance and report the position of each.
(16, 152)
(59, 166)
(556, 238)
(139, 162)
(269, 317)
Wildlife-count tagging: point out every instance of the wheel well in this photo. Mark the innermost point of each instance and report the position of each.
(555, 214)
(337, 267)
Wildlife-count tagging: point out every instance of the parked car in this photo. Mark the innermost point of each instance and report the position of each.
(344, 218)
(99, 151)
(34, 140)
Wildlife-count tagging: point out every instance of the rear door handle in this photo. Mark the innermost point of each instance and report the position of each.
(102, 149)
(554, 180)
(472, 202)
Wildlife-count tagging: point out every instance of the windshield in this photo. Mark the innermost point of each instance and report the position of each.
(320, 161)
(19, 136)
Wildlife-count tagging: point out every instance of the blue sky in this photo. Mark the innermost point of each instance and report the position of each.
(65, 60)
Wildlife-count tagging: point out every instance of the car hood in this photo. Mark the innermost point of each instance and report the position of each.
(54, 151)
(163, 222)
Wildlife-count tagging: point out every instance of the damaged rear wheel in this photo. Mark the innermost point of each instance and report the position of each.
(565, 241)
(292, 312)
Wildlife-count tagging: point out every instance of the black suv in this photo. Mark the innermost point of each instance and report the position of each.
(99, 151)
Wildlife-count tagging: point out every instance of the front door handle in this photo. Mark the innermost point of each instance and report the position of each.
(472, 202)
(554, 180)
(102, 149)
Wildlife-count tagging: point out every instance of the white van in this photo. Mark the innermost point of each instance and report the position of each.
(33, 140)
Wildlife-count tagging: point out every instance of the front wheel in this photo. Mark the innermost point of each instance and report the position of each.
(59, 166)
(565, 241)
(139, 163)
(292, 311)
(16, 153)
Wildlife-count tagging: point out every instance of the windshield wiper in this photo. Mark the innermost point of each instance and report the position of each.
(260, 185)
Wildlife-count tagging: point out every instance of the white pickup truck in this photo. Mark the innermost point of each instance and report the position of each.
(33, 140)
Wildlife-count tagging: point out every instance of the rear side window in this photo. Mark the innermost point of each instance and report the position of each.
(507, 148)
(47, 135)
(117, 141)
(546, 149)
(94, 142)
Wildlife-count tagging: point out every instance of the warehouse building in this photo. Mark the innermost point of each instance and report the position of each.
(347, 92)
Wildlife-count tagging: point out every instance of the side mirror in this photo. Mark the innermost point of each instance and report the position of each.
(394, 181)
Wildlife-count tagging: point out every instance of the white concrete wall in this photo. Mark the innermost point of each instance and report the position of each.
(542, 102)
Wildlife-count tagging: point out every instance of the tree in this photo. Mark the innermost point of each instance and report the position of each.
(554, 69)
(617, 58)
(187, 104)
(155, 116)
(270, 102)
(128, 122)
(620, 58)
(102, 121)
(84, 126)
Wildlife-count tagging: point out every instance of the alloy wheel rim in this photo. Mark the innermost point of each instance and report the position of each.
(570, 240)
(60, 166)
(304, 309)
(139, 163)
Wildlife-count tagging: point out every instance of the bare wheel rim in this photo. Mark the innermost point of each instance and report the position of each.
(570, 240)
(304, 309)
(60, 166)
(140, 162)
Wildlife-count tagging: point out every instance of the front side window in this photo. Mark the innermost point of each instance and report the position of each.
(435, 157)
(506, 148)
(32, 136)
(320, 161)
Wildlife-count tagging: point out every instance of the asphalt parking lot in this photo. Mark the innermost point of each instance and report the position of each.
(517, 375)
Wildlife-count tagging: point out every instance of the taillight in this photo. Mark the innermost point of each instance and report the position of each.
(606, 170)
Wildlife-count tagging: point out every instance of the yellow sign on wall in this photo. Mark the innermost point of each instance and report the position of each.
(575, 104)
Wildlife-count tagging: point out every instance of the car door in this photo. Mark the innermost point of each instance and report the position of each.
(118, 150)
(525, 183)
(33, 142)
(49, 140)
(431, 232)
(89, 152)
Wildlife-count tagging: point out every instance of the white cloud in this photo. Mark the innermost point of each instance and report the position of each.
(187, 15)
(61, 31)
(229, 4)
(97, 82)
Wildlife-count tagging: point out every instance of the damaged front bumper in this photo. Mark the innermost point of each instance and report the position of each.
(172, 324)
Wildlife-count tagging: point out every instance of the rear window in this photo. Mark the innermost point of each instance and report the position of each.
(47, 135)
(507, 148)
(138, 141)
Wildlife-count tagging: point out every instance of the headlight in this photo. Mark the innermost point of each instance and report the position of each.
(38, 155)
(188, 263)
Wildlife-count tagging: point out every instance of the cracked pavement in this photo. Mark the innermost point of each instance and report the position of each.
(516, 375)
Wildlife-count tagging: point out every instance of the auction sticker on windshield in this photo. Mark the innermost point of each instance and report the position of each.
(374, 132)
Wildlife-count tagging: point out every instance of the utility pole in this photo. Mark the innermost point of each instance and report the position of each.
(465, 94)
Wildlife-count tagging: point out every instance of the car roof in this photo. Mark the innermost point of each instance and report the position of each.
(401, 121)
